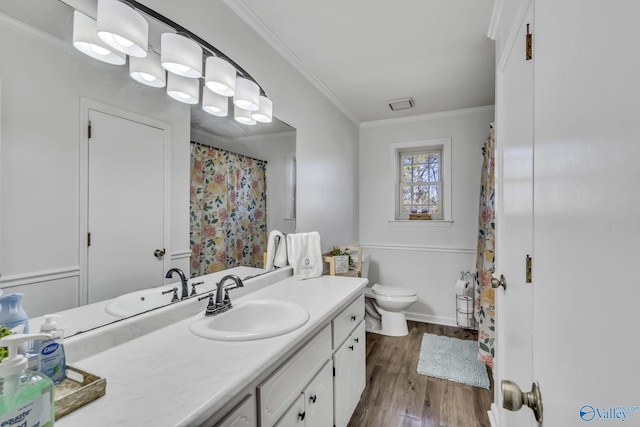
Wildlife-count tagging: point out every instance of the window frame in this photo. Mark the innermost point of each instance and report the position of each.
(440, 144)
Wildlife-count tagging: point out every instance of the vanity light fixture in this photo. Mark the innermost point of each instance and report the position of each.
(247, 95)
(214, 103)
(265, 111)
(148, 70)
(123, 28)
(86, 41)
(220, 76)
(243, 116)
(183, 89)
(181, 55)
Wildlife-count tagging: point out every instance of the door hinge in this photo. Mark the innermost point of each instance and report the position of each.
(89, 129)
(88, 239)
(529, 44)
(527, 269)
(334, 371)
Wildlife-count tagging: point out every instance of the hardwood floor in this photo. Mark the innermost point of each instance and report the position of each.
(396, 395)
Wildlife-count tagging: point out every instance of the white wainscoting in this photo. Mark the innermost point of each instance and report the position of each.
(431, 270)
(46, 291)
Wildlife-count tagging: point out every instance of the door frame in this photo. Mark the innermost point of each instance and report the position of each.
(86, 105)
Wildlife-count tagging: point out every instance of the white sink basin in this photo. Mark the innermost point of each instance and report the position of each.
(251, 320)
(138, 302)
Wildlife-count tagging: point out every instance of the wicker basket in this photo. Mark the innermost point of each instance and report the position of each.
(78, 389)
(419, 216)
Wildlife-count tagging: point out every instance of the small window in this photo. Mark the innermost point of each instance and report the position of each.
(420, 183)
(421, 179)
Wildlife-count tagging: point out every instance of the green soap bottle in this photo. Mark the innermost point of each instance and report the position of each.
(26, 397)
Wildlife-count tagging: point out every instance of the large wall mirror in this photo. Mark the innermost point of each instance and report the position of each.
(48, 92)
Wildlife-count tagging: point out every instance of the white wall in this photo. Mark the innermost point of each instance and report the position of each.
(326, 140)
(273, 148)
(424, 255)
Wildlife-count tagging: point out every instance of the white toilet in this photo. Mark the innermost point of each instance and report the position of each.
(385, 306)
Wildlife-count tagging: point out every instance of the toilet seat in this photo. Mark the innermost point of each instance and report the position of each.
(392, 291)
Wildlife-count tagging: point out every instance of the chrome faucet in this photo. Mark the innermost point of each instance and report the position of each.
(183, 279)
(223, 302)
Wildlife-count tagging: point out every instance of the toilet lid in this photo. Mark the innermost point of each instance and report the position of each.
(392, 291)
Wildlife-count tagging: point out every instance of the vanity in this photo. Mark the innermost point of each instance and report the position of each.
(163, 374)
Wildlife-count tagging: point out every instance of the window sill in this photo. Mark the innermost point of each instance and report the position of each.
(420, 223)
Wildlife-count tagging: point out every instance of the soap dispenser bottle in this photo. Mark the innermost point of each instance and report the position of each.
(12, 315)
(26, 397)
(51, 351)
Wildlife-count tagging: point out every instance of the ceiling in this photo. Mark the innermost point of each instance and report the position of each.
(363, 53)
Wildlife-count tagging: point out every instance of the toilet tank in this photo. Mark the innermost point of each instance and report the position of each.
(366, 258)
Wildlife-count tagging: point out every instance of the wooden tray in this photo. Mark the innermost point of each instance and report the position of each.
(78, 389)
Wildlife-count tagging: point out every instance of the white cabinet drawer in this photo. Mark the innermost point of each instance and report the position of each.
(286, 383)
(347, 320)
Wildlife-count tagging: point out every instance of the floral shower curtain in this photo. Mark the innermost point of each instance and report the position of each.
(228, 224)
(485, 302)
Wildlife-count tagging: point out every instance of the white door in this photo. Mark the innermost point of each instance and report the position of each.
(514, 224)
(586, 233)
(587, 212)
(125, 206)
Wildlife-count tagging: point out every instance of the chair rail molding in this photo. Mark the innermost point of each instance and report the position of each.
(418, 248)
(39, 276)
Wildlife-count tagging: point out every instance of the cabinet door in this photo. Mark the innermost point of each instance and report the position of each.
(342, 384)
(243, 415)
(295, 416)
(319, 398)
(358, 364)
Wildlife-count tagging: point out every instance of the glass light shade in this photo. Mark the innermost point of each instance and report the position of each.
(214, 103)
(181, 55)
(183, 89)
(220, 76)
(87, 42)
(265, 111)
(123, 28)
(243, 116)
(148, 71)
(247, 94)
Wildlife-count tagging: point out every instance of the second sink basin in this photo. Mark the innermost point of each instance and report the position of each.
(252, 320)
(137, 302)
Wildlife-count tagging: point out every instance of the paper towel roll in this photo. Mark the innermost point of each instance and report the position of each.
(462, 287)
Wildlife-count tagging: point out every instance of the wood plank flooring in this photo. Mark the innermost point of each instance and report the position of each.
(397, 396)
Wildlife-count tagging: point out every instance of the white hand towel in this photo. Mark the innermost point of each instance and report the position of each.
(276, 251)
(305, 254)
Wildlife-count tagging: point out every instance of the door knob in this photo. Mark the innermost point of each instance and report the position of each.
(159, 253)
(495, 283)
(513, 398)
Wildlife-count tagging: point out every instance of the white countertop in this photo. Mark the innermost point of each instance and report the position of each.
(171, 377)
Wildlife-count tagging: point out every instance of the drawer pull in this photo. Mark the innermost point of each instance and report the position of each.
(357, 340)
(353, 317)
(313, 398)
(351, 347)
(301, 415)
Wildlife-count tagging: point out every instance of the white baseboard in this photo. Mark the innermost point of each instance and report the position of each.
(493, 415)
(429, 318)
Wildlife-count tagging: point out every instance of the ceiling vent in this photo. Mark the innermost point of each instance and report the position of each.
(401, 104)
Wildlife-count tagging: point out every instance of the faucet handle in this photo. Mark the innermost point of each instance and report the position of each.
(211, 305)
(174, 298)
(226, 300)
(193, 287)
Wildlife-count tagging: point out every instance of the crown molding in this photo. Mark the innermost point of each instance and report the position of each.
(251, 19)
(427, 116)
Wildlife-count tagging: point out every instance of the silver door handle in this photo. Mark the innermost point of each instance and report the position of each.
(513, 398)
(495, 283)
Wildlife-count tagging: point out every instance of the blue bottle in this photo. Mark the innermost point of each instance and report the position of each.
(13, 315)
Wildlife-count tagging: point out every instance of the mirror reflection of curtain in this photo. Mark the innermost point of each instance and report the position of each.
(228, 206)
